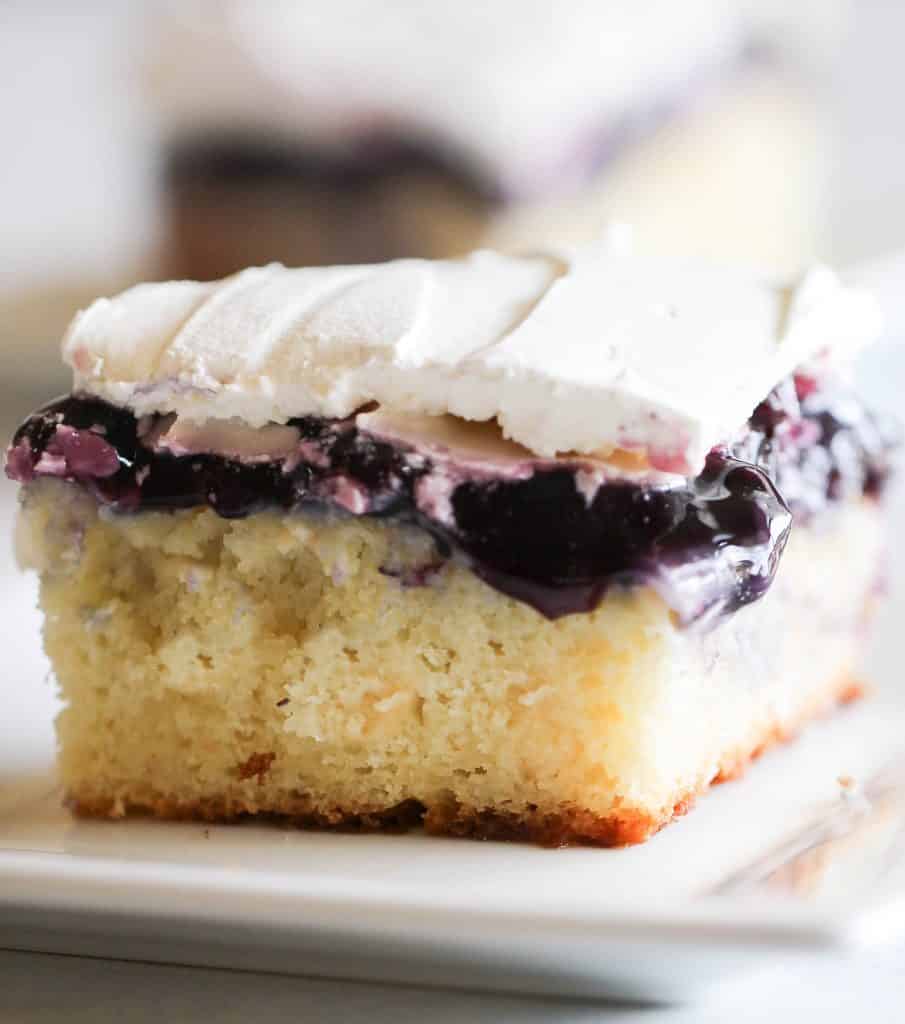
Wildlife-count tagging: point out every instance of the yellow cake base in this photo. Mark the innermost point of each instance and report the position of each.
(215, 668)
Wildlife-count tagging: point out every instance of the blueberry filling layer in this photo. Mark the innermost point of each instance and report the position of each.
(710, 544)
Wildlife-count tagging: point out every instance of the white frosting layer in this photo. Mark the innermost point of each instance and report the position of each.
(587, 352)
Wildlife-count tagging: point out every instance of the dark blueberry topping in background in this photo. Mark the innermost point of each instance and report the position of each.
(710, 545)
(371, 162)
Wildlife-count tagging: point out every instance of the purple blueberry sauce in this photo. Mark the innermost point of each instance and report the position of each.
(709, 545)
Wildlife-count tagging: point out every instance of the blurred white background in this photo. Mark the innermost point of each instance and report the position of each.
(868, 211)
(76, 185)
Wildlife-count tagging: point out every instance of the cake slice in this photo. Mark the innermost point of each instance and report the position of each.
(319, 134)
(525, 547)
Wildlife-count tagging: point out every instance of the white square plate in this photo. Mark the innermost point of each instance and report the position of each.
(787, 859)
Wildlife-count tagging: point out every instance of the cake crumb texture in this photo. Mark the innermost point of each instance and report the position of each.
(276, 666)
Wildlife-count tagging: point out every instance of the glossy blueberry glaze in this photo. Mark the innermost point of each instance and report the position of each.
(710, 545)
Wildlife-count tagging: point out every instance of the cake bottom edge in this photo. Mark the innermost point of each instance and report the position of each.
(623, 825)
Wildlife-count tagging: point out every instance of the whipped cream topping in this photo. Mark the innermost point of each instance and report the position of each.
(586, 352)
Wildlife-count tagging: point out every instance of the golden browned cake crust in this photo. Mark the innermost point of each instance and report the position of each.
(624, 826)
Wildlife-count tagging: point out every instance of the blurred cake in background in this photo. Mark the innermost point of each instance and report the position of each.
(317, 133)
